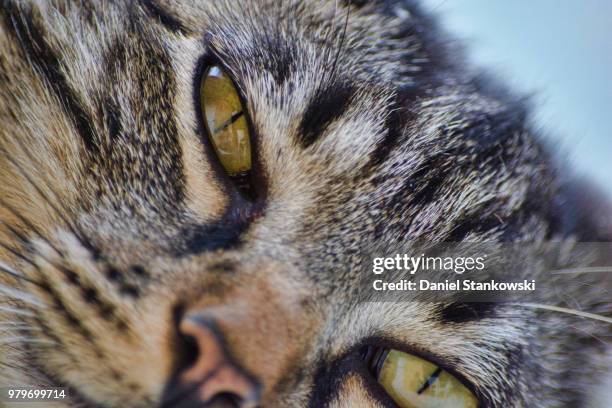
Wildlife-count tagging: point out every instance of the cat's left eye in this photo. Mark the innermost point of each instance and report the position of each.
(226, 124)
(413, 382)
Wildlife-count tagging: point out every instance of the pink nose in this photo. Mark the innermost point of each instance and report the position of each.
(211, 379)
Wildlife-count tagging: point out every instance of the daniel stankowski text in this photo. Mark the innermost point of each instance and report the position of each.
(31, 394)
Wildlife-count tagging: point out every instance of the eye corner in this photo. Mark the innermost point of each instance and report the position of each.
(373, 358)
(388, 365)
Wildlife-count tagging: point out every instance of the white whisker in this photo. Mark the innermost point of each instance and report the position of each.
(15, 339)
(21, 326)
(8, 268)
(589, 334)
(22, 296)
(14, 273)
(566, 311)
(588, 269)
(20, 312)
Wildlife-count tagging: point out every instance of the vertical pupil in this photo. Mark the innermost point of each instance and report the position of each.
(226, 123)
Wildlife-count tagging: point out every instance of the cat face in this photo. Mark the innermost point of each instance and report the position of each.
(142, 267)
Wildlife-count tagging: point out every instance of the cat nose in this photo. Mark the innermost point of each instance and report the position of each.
(210, 378)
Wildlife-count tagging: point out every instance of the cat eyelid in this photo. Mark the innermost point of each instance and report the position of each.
(381, 346)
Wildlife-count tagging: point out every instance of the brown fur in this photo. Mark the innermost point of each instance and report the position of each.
(115, 215)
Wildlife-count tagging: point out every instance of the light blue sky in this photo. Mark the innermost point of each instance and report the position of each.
(561, 50)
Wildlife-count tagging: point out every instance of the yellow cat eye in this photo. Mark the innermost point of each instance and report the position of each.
(225, 120)
(416, 383)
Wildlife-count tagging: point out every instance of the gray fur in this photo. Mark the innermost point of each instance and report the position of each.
(105, 174)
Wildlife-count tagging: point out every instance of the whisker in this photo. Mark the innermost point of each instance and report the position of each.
(21, 239)
(13, 339)
(21, 296)
(586, 269)
(17, 253)
(19, 312)
(342, 42)
(18, 235)
(590, 334)
(5, 364)
(565, 310)
(330, 52)
(18, 326)
(21, 330)
(78, 233)
(12, 272)
(27, 223)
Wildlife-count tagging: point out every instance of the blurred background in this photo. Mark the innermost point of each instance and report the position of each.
(558, 50)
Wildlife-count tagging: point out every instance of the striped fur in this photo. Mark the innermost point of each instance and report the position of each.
(369, 132)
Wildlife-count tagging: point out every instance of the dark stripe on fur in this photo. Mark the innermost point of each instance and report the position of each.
(328, 104)
(61, 308)
(153, 142)
(118, 277)
(48, 332)
(385, 146)
(112, 116)
(426, 181)
(164, 17)
(400, 115)
(90, 295)
(32, 39)
(459, 312)
(223, 234)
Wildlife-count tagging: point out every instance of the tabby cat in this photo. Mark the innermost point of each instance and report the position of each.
(187, 188)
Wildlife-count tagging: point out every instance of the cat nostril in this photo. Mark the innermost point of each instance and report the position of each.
(208, 375)
(188, 351)
(225, 400)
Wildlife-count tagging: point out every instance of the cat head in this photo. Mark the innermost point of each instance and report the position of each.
(138, 271)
